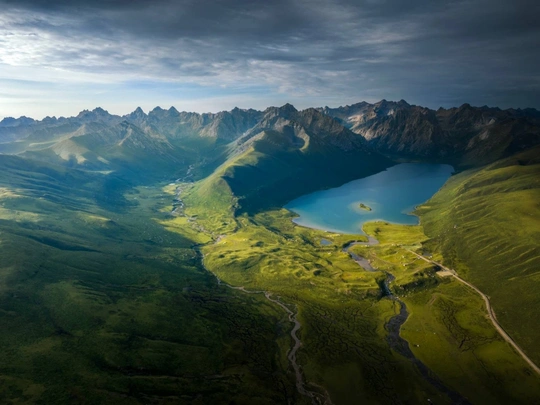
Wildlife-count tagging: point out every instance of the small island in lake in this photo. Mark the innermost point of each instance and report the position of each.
(364, 207)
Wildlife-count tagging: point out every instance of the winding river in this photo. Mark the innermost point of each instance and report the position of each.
(394, 324)
(393, 328)
(316, 397)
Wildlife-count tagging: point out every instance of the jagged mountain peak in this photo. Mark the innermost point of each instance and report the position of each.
(137, 113)
(288, 108)
(95, 112)
(286, 111)
(138, 116)
(311, 110)
(360, 104)
(239, 111)
(161, 113)
(389, 105)
(465, 106)
(97, 115)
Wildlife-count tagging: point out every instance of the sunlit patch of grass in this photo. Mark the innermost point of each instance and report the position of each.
(6, 192)
(19, 216)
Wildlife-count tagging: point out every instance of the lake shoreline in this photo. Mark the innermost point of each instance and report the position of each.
(391, 196)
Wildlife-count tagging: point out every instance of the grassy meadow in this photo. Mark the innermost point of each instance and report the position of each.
(448, 328)
(339, 305)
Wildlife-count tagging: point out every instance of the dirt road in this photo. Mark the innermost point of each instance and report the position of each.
(491, 313)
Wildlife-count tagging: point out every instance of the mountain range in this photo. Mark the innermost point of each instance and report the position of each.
(465, 136)
(262, 152)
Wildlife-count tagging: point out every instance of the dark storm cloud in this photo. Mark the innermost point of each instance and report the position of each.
(434, 53)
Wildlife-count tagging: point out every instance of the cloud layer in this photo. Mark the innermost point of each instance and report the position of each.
(66, 54)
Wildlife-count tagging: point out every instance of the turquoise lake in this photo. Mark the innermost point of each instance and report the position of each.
(391, 194)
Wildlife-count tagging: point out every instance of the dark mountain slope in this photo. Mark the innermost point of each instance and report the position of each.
(464, 136)
(290, 153)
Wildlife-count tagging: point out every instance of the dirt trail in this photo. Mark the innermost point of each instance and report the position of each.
(490, 311)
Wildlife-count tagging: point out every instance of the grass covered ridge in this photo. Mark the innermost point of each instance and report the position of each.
(486, 225)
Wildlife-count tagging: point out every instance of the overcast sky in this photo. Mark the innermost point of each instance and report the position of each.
(59, 57)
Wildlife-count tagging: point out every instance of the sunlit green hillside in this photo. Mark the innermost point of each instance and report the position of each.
(486, 224)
